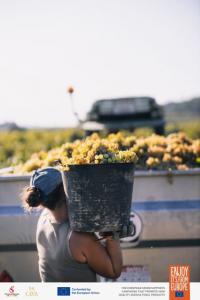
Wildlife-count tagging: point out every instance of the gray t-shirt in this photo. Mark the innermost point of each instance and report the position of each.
(56, 263)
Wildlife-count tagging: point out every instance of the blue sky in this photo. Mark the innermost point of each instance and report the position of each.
(104, 48)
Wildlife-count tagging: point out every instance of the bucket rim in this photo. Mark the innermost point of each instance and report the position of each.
(97, 165)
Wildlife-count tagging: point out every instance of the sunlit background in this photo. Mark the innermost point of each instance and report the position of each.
(104, 48)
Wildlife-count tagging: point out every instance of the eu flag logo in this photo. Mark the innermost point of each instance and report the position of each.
(179, 294)
(63, 291)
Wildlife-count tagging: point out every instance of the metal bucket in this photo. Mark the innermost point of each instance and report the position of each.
(99, 196)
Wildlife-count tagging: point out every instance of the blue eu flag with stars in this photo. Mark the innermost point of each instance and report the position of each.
(63, 291)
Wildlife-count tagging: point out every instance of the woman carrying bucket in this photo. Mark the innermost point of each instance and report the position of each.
(66, 255)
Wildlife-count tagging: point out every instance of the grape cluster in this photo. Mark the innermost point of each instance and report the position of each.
(96, 150)
(175, 151)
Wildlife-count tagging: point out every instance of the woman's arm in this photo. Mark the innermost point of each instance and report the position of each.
(114, 251)
(106, 261)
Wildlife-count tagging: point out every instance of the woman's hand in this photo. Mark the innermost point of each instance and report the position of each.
(109, 235)
(126, 230)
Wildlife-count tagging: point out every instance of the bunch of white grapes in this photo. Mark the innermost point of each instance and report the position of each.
(175, 151)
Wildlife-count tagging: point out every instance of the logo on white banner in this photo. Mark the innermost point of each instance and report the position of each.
(31, 292)
(11, 292)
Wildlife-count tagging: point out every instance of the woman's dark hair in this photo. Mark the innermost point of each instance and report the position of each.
(33, 197)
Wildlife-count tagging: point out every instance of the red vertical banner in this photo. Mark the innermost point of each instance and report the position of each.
(179, 282)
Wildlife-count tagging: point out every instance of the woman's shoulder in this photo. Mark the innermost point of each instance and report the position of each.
(43, 219)
(81, 240)
(44, 214)
(83, 236)
(77, 241)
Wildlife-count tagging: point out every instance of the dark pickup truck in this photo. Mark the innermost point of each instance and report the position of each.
(125, 113)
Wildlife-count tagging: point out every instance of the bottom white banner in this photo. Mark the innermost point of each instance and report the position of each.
(107, 290)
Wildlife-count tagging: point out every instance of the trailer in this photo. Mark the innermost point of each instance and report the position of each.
(167, 202)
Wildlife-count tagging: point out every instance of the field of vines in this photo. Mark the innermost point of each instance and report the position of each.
(17, 146)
